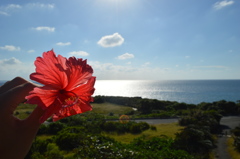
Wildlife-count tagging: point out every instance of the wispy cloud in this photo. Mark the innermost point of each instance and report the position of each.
(40, 5)
(4, 13)
(112, 71)
(146, 64)
(11, 61)
(78, 53)
(31, 51)
(214, 67)
(44, 28)
(10, 48)
(111, 40)
(125, 56)
(6, 10)
(221, 4)
(13, 6)
(63, 44)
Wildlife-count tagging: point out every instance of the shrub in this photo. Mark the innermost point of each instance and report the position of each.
(43, 129)
(55, 127)
(53, 152)
(70, 138)
(110, 126)
(135, 129)
(237, 143)
(153, 128)
(144, 126)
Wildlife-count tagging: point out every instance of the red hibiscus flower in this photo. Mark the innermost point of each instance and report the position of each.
(68, 86)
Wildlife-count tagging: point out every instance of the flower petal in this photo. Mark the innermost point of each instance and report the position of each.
(86, 90)
(51, 70)
(42, 96)
(73, 110)
(68, 86)
(80, 72)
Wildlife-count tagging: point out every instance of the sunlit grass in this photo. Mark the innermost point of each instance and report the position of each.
(44, 137)
(168, 130)
(231, 149)
(106, 108)
(24, 110)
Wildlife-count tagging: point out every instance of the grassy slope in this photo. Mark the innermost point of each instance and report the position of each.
(106, 108)
(234, 154)
(162, 129)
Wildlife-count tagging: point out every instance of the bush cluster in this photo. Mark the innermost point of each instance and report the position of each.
(236, 133)
(129, 127)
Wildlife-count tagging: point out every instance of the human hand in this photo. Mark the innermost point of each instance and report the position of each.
(16, 136)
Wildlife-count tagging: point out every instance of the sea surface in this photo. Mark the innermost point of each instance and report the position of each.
(188, 91)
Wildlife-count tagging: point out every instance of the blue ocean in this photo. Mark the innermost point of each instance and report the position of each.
(188, 91)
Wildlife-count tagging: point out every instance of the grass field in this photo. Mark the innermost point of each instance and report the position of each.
(23, 110)
(106, 108)
(168, 130)
(234, 154)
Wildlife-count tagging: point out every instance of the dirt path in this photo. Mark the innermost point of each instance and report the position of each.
(221, 150)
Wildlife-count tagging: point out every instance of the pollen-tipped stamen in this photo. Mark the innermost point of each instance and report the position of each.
(72, 100)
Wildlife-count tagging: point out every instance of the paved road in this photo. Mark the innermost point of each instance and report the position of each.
(157, 121)
(228, 122)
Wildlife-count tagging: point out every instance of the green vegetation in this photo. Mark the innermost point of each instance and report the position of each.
(110, 109)
(235, 143)
(232, 150)
(167, 130)
(23, 110)
(93, 135)
(87, 136)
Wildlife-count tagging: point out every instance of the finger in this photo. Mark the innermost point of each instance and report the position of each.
(11, 99)
(34, 117)
(11, 84)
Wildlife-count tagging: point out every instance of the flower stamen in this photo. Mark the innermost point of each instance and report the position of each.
(72, 100)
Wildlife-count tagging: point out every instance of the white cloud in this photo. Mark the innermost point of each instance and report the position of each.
(12, 67)
(111, 71)
(111, 40)
(213, 67)
(4, 13)
(6, 10)
(10, 48)
(222, 4)
(146, 64)
(31, 51)
(41, 28)
(13, 6)
(78, 53)
(63, 44)
(125, 56)
(11, 61)
(40, 5)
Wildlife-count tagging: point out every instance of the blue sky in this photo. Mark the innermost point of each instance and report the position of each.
(124, 39)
